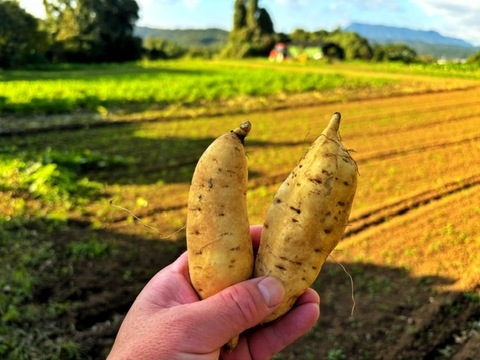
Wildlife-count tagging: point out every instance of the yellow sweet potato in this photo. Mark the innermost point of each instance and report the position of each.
(218, 235)
(308, 216)
(219, 246)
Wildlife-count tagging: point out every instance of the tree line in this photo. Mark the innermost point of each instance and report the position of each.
(92, 31)
(73, 31)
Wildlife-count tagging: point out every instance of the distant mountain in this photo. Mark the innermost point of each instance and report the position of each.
(428, 43)
(188, 37)
(423, 42)
(388, 34)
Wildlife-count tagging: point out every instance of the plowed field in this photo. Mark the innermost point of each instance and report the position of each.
(412, 245)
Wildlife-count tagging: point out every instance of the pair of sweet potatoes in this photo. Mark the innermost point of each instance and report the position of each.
(304, 223)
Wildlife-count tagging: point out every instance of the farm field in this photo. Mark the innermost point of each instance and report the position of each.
(73, 258)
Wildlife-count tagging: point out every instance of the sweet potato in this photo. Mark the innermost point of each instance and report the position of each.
(308, 216)
(219, 246)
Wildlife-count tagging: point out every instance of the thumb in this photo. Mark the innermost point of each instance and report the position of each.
(240, 307)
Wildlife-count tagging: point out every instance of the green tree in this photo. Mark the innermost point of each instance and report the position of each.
(354, 46)
(239, 15)
(157, 48)
(93, 30)
(253, 33)
(474, 59)
(300, 35)
(21, 41)
(394, 52)
(265, 22)
(252, 12)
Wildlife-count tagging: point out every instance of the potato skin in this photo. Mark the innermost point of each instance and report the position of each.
(218, 234)
(308, 216)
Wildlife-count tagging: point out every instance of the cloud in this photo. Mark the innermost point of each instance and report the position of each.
(191, 4)
(291, 3)
(459, 18)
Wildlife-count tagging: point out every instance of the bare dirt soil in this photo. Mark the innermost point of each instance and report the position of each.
(396, 316)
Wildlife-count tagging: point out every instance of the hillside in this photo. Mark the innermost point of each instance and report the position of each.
(428, 43)
(423, 42)
(187, 37)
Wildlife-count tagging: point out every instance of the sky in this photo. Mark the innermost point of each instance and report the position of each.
(453, 18)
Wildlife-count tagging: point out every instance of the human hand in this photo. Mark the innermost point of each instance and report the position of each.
(167, 320)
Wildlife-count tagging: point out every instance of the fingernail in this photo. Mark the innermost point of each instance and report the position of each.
(272, 291)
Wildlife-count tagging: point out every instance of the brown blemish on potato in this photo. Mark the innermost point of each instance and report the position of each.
(280, 267)
(316, 180)
(298, 211)
(210, 184)
(299, 263)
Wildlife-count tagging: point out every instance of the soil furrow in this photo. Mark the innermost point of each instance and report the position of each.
(277, 178)
(386, 212)
(382, 155)
(421, 126)
(429, 106)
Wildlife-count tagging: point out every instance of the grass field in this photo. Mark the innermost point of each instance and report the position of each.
(72, 261)
(154, 85)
